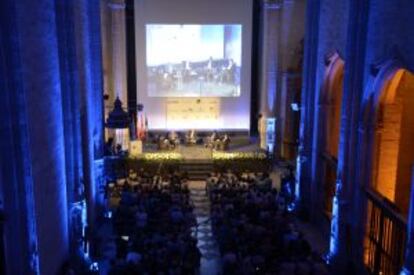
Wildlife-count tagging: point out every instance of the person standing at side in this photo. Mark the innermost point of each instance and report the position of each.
(262, 131)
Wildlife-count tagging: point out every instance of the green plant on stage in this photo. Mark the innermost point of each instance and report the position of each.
(162, 156)
(239, 156)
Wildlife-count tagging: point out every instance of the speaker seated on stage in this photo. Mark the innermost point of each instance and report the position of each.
(191, 137)
(210, 141)
(174, 138)
(159, 141)
(217, 144)
(164, 143)
(169, 144)
(225, 143)
(222, 144)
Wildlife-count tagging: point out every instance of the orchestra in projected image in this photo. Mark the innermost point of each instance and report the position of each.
(220, 77)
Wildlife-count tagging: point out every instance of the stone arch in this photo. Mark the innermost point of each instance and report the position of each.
(369, 106)
(386, 134)
(388, 123)
(329, 118)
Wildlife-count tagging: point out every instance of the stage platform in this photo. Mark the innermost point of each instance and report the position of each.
(198, 161)
(242, 144)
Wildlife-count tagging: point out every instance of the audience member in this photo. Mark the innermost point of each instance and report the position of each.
(153, 222)
(254, 235)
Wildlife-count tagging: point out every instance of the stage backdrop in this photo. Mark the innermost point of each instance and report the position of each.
(194, 63)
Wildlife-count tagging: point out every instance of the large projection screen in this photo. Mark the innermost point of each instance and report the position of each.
(194, 63)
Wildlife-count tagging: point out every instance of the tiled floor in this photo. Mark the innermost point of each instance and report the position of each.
(210, 256)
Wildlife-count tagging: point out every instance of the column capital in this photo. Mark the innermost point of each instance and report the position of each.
(272, 4)
(116, 5)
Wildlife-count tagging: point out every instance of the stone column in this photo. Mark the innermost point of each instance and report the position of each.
(282, 104)
(292, 31)
(70, 96)
(98, 102)
(71, 115)
(105, 15)
(304, 163)
(289, 119)
(90, 78)
(347, 240)
(119, 68)
(270, 28)
(287, 19)
(408, 268)
(19, 231)
(106, 59)
(118, 40)
(38, 51)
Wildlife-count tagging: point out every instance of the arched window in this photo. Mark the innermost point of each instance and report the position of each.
(389, 139)
(393, 154)
(330, 121)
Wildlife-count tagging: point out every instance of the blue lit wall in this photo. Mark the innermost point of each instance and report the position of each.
(41, 78)
(46, 134)
(332, 38)
(390, 33)
(364, 33)
(16, 178)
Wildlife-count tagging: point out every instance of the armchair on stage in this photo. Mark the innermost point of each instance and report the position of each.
(191, 138)
(173, 140)
(218, 143)
(168, 142)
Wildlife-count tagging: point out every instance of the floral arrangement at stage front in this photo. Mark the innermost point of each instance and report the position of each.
(162, 156)
(238, 155)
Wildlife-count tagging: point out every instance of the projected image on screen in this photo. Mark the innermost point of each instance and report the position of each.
(193, 60)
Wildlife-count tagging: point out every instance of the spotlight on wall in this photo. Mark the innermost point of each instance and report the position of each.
(94, 267)
(295, 106)
(108, 214)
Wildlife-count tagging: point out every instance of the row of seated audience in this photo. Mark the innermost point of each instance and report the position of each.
(255, 233)
(153, 221)
(173, 139)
